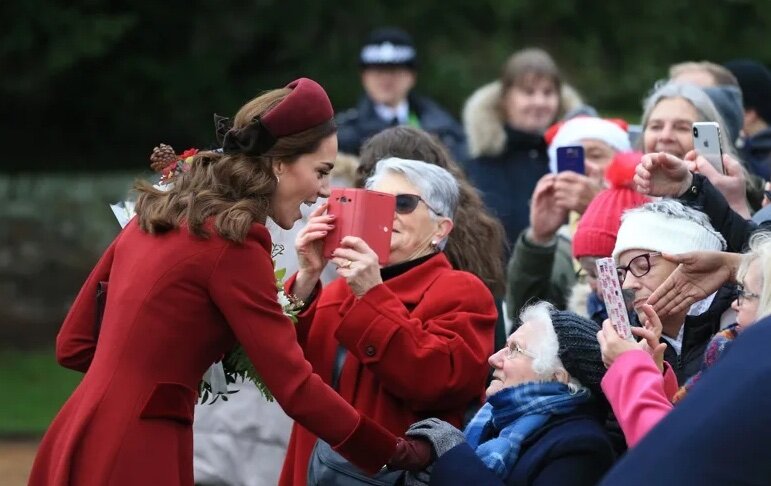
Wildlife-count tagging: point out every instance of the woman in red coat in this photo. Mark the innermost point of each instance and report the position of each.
(190, 277)
(415, 335)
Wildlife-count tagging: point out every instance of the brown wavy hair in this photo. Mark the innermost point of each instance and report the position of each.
(476, 243)
(235, 189)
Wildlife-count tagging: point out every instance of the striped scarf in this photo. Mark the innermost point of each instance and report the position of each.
(514, 413)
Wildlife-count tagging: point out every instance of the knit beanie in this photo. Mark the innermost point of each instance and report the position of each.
(755, 80)
(596, 232)
(667, 226)
(579, 349)
(571, 132)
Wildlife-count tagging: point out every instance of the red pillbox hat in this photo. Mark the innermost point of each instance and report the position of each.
(307, 106)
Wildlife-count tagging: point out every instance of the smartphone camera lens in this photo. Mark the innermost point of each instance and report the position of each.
(695, 132)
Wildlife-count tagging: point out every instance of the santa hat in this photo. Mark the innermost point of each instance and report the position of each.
(611, 131)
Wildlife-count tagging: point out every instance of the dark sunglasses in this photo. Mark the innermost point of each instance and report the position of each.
(406, 203)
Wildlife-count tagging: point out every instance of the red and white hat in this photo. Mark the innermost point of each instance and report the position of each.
(571, 132)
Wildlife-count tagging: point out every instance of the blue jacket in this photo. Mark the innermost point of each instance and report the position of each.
(574, 450)
(358, 124)
(719, 434)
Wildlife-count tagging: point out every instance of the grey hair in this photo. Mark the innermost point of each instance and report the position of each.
(698, 98)
(436, 185)
(760, 251)
(546, 348)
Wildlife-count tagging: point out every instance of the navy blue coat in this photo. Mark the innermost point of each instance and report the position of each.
(719, 434)
(358, 124)
(506, 181)
(573, 450)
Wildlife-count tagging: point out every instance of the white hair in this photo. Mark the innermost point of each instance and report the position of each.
(436, 185)
(545, 348)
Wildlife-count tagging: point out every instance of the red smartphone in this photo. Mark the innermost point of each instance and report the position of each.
(366, 214)
(571, 158)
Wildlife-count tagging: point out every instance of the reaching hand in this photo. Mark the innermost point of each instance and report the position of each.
(651, 336)
(699, 274)
(545, 216)
(612, 345)
(732, 184)
(574, 191)
(660, 174)
(358, 264)
(309, 243)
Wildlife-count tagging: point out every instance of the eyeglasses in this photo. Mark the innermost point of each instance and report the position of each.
(742, 294)
(583, 275)
(638, 266)
(406, 204)
(514, 349)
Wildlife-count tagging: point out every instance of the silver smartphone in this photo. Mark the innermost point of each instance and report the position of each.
(706, 141)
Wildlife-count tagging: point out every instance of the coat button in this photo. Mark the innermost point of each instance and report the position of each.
(370, 351)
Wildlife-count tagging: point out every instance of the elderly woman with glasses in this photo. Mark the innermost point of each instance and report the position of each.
(403, 342)
(543, 419)
(638, 392)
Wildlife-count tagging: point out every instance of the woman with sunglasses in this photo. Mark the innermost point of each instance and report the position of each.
(190, 277)
(638, 392)
(403, 342)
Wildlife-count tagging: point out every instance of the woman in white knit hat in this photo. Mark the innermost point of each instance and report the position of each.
(667, 226)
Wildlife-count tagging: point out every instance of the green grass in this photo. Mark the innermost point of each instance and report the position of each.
(34, 388)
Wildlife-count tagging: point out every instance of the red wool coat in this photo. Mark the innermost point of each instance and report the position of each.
(417, 347)
(176, 303)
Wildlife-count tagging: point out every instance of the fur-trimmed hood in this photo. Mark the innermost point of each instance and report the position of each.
(483, 119)
(579, 297)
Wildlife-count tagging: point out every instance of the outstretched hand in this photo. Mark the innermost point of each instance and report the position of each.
(546, 216)
(698, 275)
(661, 174)
(732, 184)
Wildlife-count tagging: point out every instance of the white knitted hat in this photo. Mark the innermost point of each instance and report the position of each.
(666, 226)
(588, 127)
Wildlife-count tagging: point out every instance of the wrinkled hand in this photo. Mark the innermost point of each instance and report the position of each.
(650, 335)
(660, 174)
(545, 216)
(358, 264)
(699, 274)
(732, 184)
(442, 435)
(574, 192)
(612, 345)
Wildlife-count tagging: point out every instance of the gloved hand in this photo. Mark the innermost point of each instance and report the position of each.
(411, 454)
(442, 435)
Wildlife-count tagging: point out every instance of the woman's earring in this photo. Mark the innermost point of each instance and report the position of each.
(277, 180)
(434, 244)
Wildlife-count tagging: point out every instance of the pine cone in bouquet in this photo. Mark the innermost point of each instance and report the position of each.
(162, 156)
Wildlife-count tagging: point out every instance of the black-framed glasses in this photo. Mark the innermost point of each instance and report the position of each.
(742, 294)
(638, 266)
(406, 203)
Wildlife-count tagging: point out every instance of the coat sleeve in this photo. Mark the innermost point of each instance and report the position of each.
(736, 230)
(634, 386)
(251, 309)
(436, 359)
(538, 273)
(76, 341)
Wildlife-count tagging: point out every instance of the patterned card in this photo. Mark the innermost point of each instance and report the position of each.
(607, 280)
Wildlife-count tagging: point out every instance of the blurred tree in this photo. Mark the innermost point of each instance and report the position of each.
(97, 83)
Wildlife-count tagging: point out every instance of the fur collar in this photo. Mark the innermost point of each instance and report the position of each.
(483, 121)
(579, 295)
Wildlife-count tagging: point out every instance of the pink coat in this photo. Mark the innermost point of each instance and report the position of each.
(638, 393)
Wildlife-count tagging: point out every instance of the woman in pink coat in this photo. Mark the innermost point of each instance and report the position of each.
(190, 277)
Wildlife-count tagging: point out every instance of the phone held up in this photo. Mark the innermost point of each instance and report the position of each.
(607, 281)
(366, 214)
(706, 142)
(571, 158)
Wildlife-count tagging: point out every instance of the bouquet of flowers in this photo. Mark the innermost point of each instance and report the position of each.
(235, 366)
